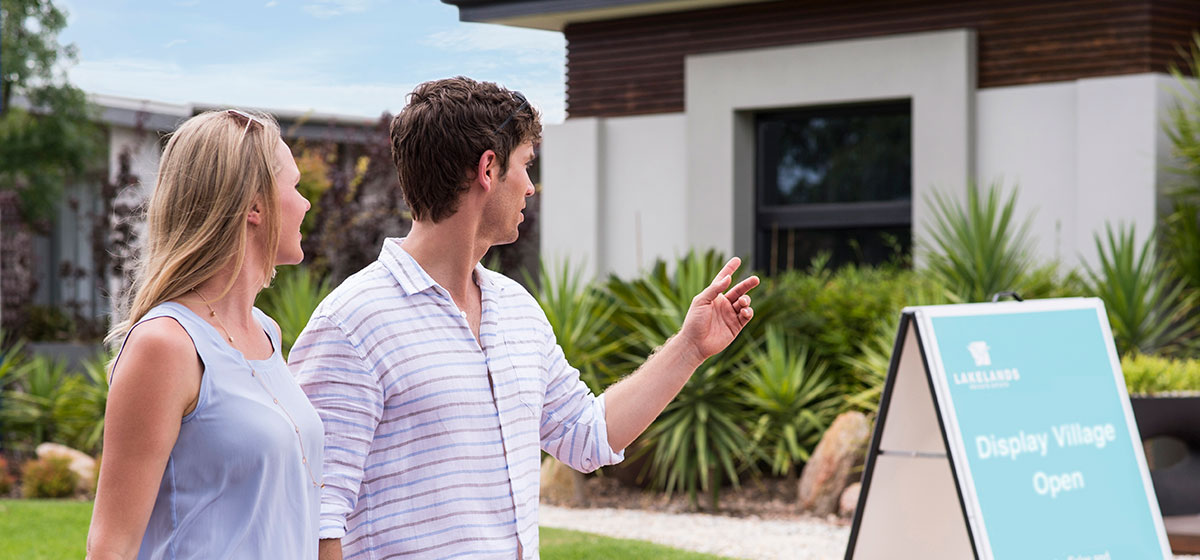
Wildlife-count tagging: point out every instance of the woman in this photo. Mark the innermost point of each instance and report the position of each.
(211, 450)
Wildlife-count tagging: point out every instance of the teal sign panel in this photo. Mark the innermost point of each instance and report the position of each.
(1035, 404)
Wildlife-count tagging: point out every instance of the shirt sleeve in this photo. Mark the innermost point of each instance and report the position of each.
(573, 427)
(349, 399)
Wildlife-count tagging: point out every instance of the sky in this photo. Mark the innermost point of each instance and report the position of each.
(349, 57)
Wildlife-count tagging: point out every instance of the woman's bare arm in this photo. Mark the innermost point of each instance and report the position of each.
(155, 383)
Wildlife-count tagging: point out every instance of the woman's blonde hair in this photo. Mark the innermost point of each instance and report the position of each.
(216, 167)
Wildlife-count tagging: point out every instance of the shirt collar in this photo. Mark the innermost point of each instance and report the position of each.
(413, 279)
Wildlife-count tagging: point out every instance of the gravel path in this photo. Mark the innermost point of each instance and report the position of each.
(794, 539)
(727, 536)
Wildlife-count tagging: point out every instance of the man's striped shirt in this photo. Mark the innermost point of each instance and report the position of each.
(432, 437)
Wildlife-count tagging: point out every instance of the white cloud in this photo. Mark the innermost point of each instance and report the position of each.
(256, 85)
(475, 37)
(332, 8)
(282, 85)
(174, 42)
(272, 4)
(493, 52)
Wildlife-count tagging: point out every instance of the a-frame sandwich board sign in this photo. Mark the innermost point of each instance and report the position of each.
(1004, 431)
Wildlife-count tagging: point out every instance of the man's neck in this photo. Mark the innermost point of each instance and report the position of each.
(448, 252)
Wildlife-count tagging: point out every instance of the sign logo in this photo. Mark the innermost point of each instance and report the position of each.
(979, 351)
(985, 378)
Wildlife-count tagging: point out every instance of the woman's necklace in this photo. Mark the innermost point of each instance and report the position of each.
(254, 374)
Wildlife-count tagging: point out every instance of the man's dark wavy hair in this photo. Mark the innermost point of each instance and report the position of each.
(438, 137)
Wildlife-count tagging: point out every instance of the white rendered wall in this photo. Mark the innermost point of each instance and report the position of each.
(1082, 153)
(572, 175)
(644, 192)
(613, 192)
(1027, 141)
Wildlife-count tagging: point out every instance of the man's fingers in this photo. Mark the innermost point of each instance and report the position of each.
(713, 290)
(730, 267)
(740, 290)
(721, 282)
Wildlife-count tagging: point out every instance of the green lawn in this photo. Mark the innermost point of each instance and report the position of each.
(561, 544)
(57, 529)
(44, 529)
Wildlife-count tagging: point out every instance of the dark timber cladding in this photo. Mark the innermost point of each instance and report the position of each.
(635, 65)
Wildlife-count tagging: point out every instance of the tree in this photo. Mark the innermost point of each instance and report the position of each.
(46, 136)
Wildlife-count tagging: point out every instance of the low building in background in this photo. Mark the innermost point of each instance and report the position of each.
(75, 265)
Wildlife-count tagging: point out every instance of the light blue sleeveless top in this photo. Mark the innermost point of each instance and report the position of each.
(236, 485)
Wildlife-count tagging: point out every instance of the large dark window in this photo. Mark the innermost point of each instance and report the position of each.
(833, 180)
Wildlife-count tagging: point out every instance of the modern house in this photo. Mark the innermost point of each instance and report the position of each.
(778, 129)
(63, 261)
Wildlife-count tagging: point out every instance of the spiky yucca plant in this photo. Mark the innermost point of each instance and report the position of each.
(979, 247)
(1148, 311)
(792, 399)
(80, 413)
(869, 366)
(1181, 228)
(37, 390)
(581, 316)
(699, 441)
(291, 300)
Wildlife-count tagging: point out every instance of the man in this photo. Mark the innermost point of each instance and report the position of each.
(440, 381)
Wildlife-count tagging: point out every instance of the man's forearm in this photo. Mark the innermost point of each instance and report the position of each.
(329, 549)
(634, 402)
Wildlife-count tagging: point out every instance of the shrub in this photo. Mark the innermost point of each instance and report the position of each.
(580, 315)
(12, 358)
(51, 477)
(37, 389)
(792, 399)
(291, 300)
(868, 366)
(976, 249)
(79, 414)
(1148, 311)
(699, 441)
(45, 323)
(1150, 375)
(6, 479)
(1181, 228)
(850, 303)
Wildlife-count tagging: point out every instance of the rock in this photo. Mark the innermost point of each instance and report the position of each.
(561, 484)
(849, 501)
(82, 464)
(830, 468)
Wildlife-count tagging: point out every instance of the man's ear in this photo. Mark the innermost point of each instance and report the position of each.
(254, 217)
(485, 170)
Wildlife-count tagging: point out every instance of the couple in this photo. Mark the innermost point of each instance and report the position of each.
(419, 395)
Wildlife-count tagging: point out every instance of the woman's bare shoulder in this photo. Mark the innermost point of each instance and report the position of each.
(156, 347)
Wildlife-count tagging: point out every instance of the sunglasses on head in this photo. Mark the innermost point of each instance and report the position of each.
(239, 116)
(524, 103)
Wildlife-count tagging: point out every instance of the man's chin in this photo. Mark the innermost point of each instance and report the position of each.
(506, 241)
